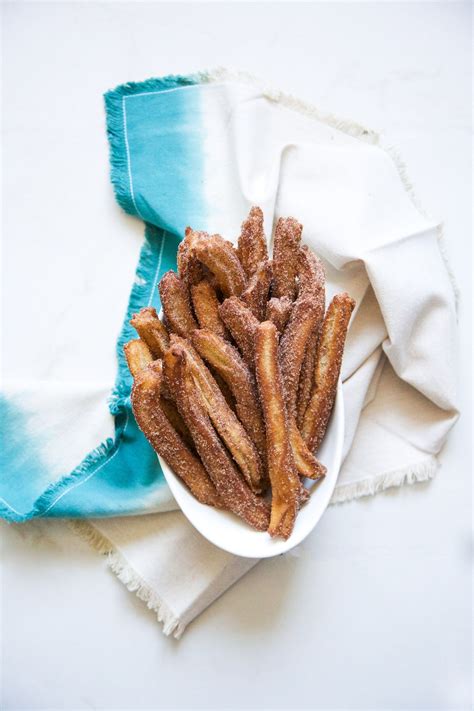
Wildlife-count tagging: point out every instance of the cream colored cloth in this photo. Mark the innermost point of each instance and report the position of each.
(398, 374)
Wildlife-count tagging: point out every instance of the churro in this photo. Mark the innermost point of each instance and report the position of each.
(220, 257)
(223, 418)
(176, 304)
(305, 386)
(311, 282)
(306, 314)
(190, 270)
(278, 311)
(306, 463)
(286, 256)
(256, 294)
(281, 466)
(328, 366)
(227, 361)
(252, 245)
(138, 355)
(311, 276)
(242, 324)
(152, 331)
(206, 307)
(163, 437)
(232, 489)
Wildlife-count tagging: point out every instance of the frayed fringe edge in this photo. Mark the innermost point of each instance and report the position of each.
(91, 536)
(352, 128)
(369, 487)
(171, 623)
(125, 573)
(141, 295)
(133, 582)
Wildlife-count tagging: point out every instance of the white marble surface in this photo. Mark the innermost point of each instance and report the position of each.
(373, 612)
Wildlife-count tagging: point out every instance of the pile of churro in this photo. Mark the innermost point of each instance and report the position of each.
(235, 384)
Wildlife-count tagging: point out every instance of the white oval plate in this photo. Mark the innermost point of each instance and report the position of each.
(230, 533)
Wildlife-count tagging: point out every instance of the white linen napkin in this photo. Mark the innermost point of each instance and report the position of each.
(359, 215)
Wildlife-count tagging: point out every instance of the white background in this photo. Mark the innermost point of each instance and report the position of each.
(373, 611)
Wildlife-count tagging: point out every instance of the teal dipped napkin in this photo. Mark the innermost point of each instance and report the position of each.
(199, 151)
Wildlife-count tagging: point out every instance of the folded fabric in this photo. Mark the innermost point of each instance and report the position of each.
(200, 151)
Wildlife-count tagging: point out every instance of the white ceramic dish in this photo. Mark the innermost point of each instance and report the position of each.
(230, 533)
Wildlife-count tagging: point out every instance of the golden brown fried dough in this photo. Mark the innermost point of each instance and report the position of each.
(176, 305)
(305, 386)
(190, 270)
(223, 418)
(174, 418)
(220, 257)
(306, 314)
(206, 308)
(281, 466)
(278, 311)
(256, 294)
(164, 439)
(242, 324)
(227, 361)
(152, 331)
(138, 356)
(306, 463)
(285, 257)
(328, 366)
(311, 279)
(252, 245)
(233, 491)
(311, 276)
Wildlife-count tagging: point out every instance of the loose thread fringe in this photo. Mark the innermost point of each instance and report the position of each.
(369, 487)
(127, 575)
(291, 102)
(91, 536)
(133, 582)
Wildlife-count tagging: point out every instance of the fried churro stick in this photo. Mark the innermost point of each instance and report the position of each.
(256, 294)
(278, 311)
(285, 256)
(252, 245)
(176, 305)
(164, 439)
(152, 331)
(311, 276)
(227, 361)
(220, 257)
(174, 418)
(138, 356)
(311, 280)
(306, 463)
(281, 466)
(190, 270)
(306, 314)
(242, 324)
(223, 418)
(206, 308)
(233, 491)
(328, 366)
(305, 386)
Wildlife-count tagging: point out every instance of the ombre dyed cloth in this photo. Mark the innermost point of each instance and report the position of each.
(199, 151)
